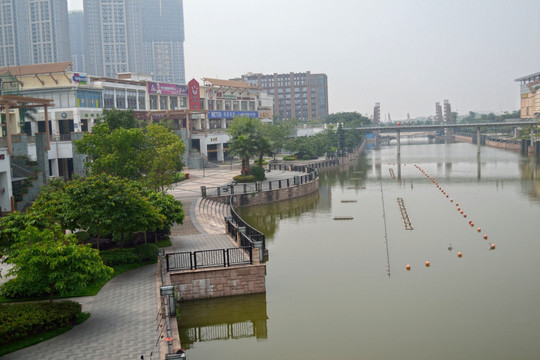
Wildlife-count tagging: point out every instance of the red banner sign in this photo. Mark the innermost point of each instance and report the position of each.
(194, 95)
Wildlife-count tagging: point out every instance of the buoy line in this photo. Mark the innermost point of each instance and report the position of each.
(385, 232)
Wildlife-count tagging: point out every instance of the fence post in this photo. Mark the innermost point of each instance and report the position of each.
(270, 186)
(245, 188)
(226, 261)
(259, 245)
(218, 191)
(241, 231)
(228, 220)
(203, 191)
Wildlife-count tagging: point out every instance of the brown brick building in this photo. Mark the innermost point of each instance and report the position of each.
(300, 96)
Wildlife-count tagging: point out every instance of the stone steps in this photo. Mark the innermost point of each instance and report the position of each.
(211, 215)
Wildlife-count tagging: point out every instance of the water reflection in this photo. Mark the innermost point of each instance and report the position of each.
(265, 218)
(530, 171)
(223, 319)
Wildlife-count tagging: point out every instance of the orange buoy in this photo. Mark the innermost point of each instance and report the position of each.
(408, 267)
(485, 237)
(492, 247)
(427, 263)
(457, 204)
(459, 254)
(446, 195)
(472, 224)
(451, 200)
(479, 229)
(464, 215)
(458, 208)
(461, 212)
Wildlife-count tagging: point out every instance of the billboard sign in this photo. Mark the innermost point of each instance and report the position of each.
(157, 88)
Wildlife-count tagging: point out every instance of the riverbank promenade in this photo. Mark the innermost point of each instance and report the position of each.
(124, 322)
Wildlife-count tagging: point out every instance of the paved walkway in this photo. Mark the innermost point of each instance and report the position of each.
(123, 322)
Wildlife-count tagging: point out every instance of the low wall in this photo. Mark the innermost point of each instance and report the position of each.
(504, 145)
(267, 197)
(463, 138)
(218, 282)
(514, 145)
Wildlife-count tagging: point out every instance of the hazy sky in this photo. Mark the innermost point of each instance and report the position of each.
(405, 54)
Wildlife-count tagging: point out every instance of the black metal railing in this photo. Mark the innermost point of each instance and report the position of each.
(251, 234)
(193, 260)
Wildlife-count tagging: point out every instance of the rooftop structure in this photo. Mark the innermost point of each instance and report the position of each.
(530, 95)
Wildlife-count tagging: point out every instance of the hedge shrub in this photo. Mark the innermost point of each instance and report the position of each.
(119, 256)
(16, 289)
(244, 178)
(147, 252)
(21, 320)
(257, 172)
(289, 158)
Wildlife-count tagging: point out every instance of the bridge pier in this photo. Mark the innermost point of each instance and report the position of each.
(399, 155)
(478, 142)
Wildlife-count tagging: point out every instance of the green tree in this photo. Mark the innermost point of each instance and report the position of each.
(152, 155)
(105, 204)
(49, 205)
(11, 227)
(162, 158)
(278, 133)
(117, 119)
(169, 207)
(50, 259)
(117, 152)
(349, 119)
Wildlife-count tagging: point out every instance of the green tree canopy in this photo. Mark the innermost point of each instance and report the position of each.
(105, 204)
(151, 155)
(117, 119)
(349, 119)
(52, 260)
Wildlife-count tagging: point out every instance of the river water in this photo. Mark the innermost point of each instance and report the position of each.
(339, 289)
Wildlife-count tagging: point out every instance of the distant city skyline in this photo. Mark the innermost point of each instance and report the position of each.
(404, 55)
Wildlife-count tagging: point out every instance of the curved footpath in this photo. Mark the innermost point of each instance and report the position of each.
(124, 321)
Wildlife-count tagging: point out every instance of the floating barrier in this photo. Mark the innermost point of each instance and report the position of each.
(349, 201)
(343, 218)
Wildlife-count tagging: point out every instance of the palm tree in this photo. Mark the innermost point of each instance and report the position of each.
(264, 147)
(243, 146)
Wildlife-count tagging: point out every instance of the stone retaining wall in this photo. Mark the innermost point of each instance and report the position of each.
(218, 282)
(268, 197)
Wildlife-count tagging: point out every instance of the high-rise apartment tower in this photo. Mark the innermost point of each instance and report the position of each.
(113, 37)
(163, 38)
(33, 32)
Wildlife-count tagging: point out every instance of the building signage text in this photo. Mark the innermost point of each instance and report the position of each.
(232, 114)
(79, 78)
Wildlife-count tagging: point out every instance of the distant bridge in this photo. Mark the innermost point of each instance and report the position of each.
(398, 129)
(410, 128)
